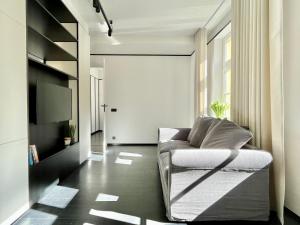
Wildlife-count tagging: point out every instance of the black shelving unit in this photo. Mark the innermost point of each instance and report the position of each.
(49, 68)
(59, 10)
(43, 48)
(41, 20)
(50, 169)
(44, 29)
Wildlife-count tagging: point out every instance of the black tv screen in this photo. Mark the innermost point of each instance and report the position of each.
(53, 103)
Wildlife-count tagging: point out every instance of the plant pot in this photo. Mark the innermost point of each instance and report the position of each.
(72, 141)
(67, 141)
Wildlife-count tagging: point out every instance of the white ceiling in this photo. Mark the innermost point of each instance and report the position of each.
(148, 26)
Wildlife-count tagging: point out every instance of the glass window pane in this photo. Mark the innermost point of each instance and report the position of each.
(228, 49)
(228, 81)
(227, 98)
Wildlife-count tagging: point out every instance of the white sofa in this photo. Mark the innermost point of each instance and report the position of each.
(212, 184)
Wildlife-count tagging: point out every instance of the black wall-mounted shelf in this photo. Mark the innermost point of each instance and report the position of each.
(44, 28)
(57, 166)
(50, 69)
(41, 20)
(43, 48)
(59, 10)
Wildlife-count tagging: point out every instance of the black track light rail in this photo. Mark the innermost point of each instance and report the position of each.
(97, 5)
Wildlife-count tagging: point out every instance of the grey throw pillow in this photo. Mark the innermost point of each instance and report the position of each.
(226, 135)
(194, 128)
(213, 124)
(204, 125)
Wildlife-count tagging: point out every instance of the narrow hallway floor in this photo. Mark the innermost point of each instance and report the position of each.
(97, 142)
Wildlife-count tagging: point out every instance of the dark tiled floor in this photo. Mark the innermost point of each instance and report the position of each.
(291, 218)
(137, 185)
(97, 142)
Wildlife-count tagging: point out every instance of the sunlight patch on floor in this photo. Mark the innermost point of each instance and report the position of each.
(96, 157)
(152, 222)
(59, 197)
(35, 217)
(129, 154)
(123, 161)
(106, 198)
(116, 216)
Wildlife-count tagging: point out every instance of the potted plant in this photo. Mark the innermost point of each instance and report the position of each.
(219, 109)
(67, 141)
(72, 130)
(70, 138)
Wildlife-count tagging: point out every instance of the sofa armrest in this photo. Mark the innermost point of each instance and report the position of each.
(220, 159)
(167, 134)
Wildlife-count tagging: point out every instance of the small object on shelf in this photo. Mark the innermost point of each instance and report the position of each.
(67, 141)
(72, 130)
(72, 133)
(34, 154)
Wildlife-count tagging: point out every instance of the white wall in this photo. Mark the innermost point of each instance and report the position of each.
(14, 189)
(291, 48)
(84, 81)
(97, 72)
(14, 193)
(84, 94)
(101, 102)
(149, 92)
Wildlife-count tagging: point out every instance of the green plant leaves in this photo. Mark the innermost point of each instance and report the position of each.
(72, 129)
(219, 109)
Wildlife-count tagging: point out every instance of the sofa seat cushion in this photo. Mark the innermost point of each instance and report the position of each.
(172, 145)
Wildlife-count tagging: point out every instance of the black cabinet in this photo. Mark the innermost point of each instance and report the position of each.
(55, 167)
(51, 30)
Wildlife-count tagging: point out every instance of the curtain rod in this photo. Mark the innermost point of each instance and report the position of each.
(132, 54)
(218, 32)
(215, 12)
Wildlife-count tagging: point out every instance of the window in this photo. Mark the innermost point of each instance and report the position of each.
(226, 89)
(219, 69)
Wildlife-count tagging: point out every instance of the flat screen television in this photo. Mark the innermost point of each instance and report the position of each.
(53, 103)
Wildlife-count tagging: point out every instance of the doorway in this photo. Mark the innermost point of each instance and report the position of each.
(97, 110)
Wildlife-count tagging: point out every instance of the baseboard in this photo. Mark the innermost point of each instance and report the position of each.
(98, 131)
(132, 144)
(10, 220)
(292, 214)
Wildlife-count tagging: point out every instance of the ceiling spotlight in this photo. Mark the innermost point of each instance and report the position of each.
(97, 5)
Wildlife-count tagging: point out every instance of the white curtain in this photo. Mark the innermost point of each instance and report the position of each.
(257, 87)
(200, 73)
(277, 99)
